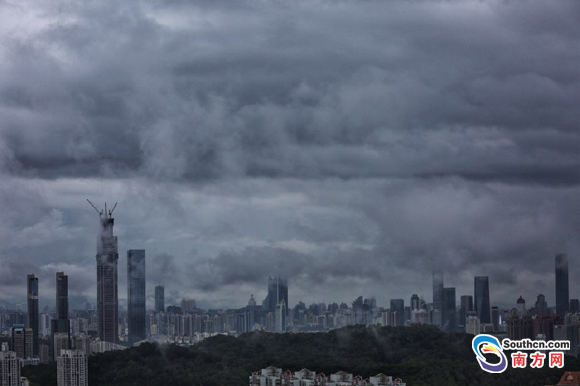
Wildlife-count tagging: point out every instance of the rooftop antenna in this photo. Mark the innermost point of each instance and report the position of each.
(100, 212)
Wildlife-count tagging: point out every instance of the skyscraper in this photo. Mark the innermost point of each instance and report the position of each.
(136, 294)
(541, 305)
(160, 298)
(449, 306)
(397, 312)
(466, 306)
(107, 289)
(482, 304)
(22, 341)
(32, 308)
(437, 297)
(9, 369)
(72, 368)
(562, 289)
(277, 291)
(415, 302)
(61, 324)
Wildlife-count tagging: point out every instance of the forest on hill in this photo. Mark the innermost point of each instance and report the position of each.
(420, 355)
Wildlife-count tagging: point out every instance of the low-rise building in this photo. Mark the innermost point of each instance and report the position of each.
(275, 376)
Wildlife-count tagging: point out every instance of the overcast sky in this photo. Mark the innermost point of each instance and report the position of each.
(350, 146)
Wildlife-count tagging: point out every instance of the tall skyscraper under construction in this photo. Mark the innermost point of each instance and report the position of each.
(107, 291)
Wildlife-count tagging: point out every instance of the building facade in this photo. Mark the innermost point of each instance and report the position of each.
(136, 294)
(437, 297)
(22, 341)
(160, 298)
(72, 368)
(61, 324)
(107, 280)
(10, 366)
(481, 295)
(32, 309)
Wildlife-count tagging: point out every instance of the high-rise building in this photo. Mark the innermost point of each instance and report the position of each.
(465, 307)
(160, 298)
(415, 302)
(107, 279)
(72, 368)
(438, 298)
(10, 366)
(61, 341)
(280, 316)
(562, 289)
(32, 308)
(61, 324)
(574, 305)
(22, 341)
(521, 305)
(188, 306)
(449, 306)
(277, 291)
(541, 305)
(482, 303)
(397, 312)
(472, 325)
(136, 294)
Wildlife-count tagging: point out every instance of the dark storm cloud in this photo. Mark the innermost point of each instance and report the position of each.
(188, 91)
(344, 145)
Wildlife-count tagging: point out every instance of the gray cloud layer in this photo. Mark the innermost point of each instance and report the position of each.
(352, 146)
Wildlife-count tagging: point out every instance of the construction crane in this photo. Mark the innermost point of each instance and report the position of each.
(100, 212)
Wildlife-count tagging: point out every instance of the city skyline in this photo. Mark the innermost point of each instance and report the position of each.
(352, 148)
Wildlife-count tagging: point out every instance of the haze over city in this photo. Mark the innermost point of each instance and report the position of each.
(350, 147)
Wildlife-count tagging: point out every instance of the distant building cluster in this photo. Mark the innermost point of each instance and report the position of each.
(66, 336)
(274, 376)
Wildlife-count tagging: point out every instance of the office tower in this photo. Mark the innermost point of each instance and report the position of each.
(72, 368)
(280, 316)
(277, 291)
(61, 341)
(136, 294)
(541, 305)
(397, 312)
(438, 298)
(415, 302)
(482, 305)
(61, 324)
(22, 341)
(107, 286)
(10, 366)
(562, 294)
(466, 306)
(574, 305)
(252, 301)
(449, 306)
(188, 306)
(160, 298)
(32, 308)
